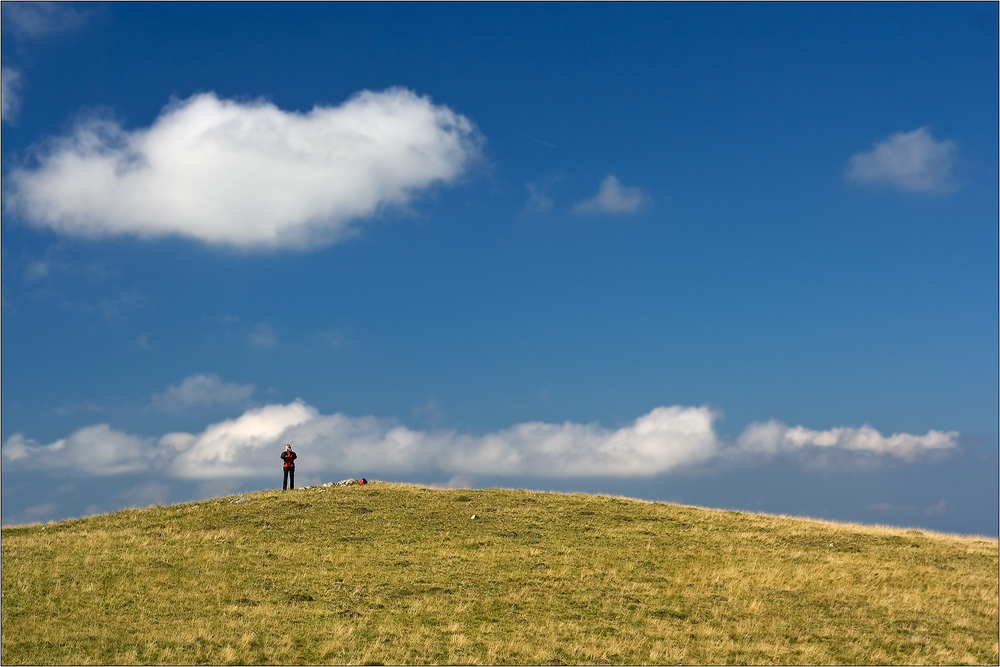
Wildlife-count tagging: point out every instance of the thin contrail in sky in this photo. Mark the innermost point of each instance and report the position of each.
(537, 141)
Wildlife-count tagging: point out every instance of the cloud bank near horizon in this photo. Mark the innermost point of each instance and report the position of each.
(667, 439)
(246, 174)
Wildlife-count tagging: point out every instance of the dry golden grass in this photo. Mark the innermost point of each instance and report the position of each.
(393, 573)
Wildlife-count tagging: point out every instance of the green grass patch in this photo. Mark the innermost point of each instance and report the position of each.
(399, 574)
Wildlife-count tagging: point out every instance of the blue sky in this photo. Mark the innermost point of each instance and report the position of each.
(731, 255)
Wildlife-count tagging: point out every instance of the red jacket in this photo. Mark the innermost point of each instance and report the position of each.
(289, 459)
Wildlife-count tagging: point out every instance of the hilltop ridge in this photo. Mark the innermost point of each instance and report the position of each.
(397, 573)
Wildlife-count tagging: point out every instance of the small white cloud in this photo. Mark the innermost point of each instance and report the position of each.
(613, 197)
(246, 174)
(202, 390)
(913, 161)
(36, 19)
(262, 335)
(773, 438)
(10, 82)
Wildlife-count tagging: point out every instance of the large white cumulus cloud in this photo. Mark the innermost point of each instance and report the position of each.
(664, 440)
(246, 174)
(660, 441)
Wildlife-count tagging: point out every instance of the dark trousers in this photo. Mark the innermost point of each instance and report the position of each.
(289, 479)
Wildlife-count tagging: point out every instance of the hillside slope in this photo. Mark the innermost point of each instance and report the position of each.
(393, 573)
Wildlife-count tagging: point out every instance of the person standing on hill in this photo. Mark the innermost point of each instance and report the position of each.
(288, 456)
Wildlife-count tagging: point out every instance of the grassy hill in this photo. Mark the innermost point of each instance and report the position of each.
(394, 573)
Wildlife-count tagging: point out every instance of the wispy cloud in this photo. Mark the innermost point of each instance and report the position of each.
(614, 198)
(77, 407)
(262, 336)
(246, 175)
(667, 439)
(38, 269)
(460, 482)
(115, 307)
(31, 20)
(538, 198)
(55, 262)
(539, 194)
(430, 412)
(37, 19)
(201, 390)
(912, 161)
(147, 493)
(35, 513)
(940, 507)
(335, 336)
(10, 81)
